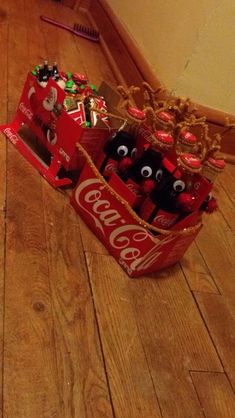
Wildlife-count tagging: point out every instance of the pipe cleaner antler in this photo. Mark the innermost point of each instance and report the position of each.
(132, 113)
(150, 117)
(184, 111)
(150, 96)
(208, 147)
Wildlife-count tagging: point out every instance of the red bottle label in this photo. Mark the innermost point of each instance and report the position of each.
(165, 220)
(99, 160)
(133, 187)
(110, 167)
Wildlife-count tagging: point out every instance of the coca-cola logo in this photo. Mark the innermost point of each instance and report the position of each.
(152, 256)
(11, 135)
(25, 110)
(111, 167)
(134, 246)
(134, 188)
(88, 196)
(163, 221)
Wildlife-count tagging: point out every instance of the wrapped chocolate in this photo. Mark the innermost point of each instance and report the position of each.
(79, 78)
(96, 102)
(70, 102)
(76, 110)
(70, 87)
(86, 90)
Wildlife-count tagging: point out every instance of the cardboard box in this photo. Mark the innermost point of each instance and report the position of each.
(135, 247)
(133, 243)
(40, 109)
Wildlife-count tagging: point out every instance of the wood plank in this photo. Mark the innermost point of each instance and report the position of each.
(30, 369)
(3, 117)
(227, 180)
(81, 376)
(220, 320)
(90, 242)
(131, 385)
(196, 271)
(225, 192)
(176, 309)
(215, 394)
(173, 334)
(216, 242)
(175, 339)
(74, 55)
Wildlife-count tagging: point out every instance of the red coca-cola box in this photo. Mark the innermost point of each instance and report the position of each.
(41, 111)
(136, 247)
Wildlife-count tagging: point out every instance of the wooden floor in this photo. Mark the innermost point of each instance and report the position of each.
(78, 337)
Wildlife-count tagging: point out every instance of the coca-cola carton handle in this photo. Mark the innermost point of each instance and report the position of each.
(180, 232)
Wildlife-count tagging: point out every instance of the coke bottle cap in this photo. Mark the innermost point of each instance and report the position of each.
(216, 164)
(163, 139)
(187, 138)
(190, 163)
(166, 116)
(136, 114)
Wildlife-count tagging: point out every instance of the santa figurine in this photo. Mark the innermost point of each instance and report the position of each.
(46, 112)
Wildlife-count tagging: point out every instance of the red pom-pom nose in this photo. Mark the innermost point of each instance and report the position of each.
(124, 164)
(186, 201)
(211, 205)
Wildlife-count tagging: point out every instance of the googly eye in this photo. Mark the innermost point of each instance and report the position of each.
(122, 150)
(159, 174)
(133, 153)
(179, 185)
(146, 171)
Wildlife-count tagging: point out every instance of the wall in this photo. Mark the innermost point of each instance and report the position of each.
(190, 45)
